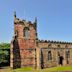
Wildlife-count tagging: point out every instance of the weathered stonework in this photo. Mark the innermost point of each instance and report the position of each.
(54, 50)
(28, 50)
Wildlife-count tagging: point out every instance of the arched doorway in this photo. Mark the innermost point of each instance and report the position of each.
(61, 60)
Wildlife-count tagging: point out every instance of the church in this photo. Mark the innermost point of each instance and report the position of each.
(28, 51)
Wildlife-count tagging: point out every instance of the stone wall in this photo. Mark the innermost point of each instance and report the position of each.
(54, 48)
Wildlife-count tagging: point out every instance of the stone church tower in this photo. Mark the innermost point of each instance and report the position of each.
(23, 45)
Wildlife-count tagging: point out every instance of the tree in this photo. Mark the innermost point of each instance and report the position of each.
(4, 53)
(5, 45)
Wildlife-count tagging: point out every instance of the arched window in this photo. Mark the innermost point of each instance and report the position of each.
(67, 56)
(26, 32)
(16, 33)
(49, 55)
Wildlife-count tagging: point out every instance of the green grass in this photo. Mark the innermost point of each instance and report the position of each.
(59, 68)
(24, 69)
(29, 69)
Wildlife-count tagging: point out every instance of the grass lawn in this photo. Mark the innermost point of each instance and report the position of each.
(28, 69)
(55, 69)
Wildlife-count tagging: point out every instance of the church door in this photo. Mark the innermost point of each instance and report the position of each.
(60, 60)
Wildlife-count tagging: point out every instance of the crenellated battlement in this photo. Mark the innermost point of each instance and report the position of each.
(51, 41)
(18, 21)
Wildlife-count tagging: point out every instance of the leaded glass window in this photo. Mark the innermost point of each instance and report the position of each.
(67, 56)
(49, 55)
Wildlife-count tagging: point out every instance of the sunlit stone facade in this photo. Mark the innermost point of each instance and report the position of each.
(27, 50)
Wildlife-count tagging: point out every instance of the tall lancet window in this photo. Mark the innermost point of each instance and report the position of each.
(67, 56)
(49, 55)
(26, 32)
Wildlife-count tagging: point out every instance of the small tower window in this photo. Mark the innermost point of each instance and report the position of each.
(49, 55)
(16, 33)
(26, 32)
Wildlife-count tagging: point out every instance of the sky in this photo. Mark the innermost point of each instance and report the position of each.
(54, 18)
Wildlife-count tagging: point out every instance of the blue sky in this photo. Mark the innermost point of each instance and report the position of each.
(54, 18)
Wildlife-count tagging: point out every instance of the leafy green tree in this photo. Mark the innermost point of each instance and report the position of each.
(5, 45)
(4, 52)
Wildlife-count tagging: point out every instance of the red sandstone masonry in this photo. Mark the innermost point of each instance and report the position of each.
(23, 49)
